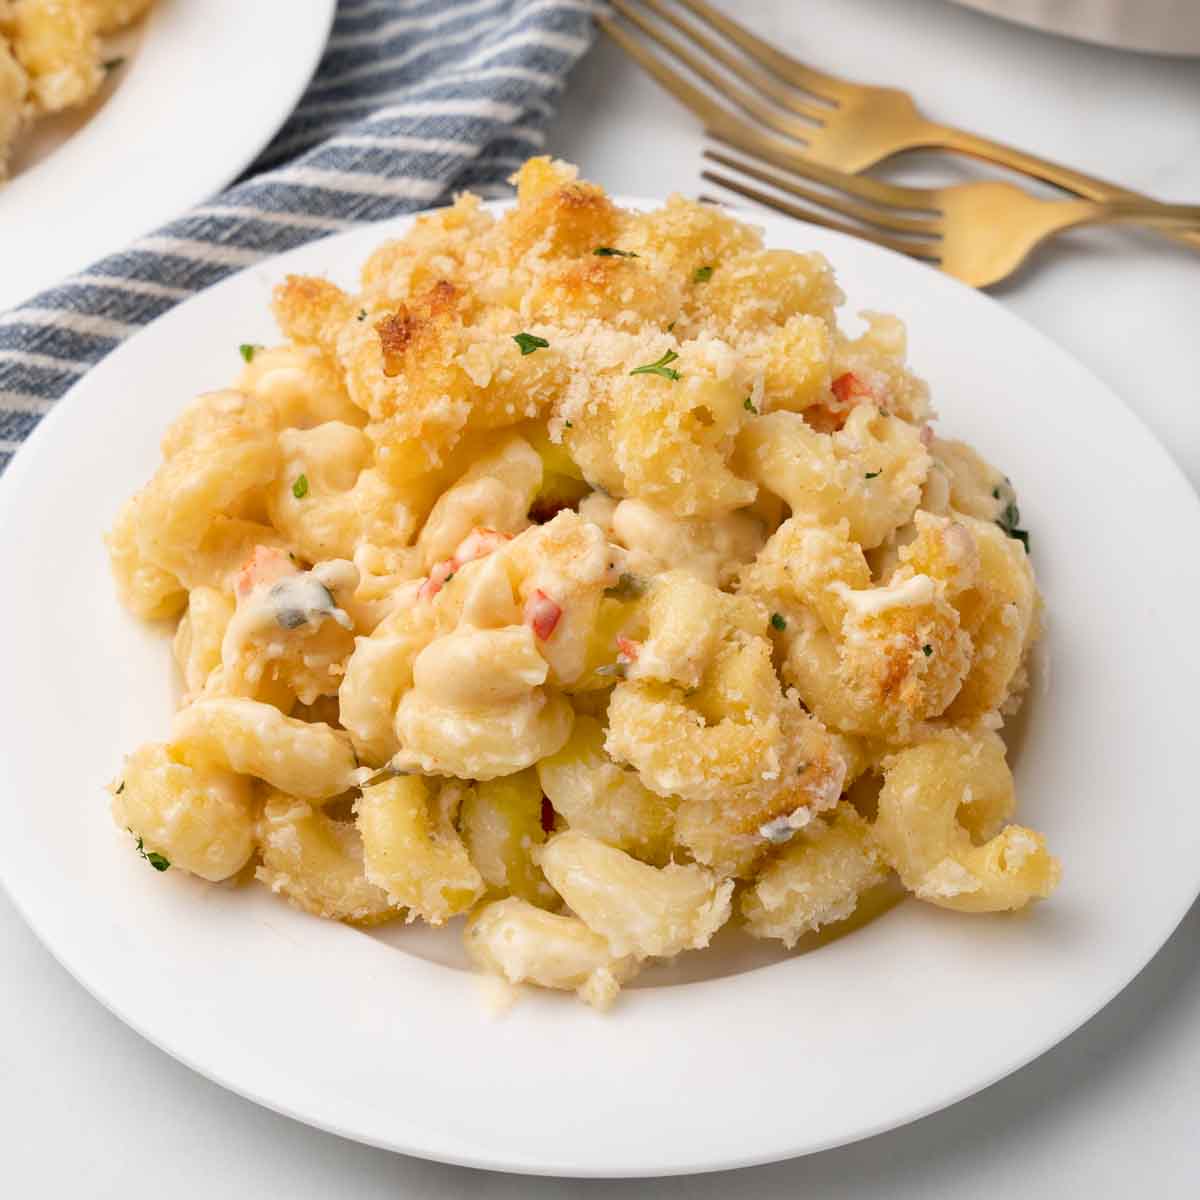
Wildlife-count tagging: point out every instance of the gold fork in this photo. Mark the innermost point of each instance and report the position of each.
(846, 126)
(978, 232)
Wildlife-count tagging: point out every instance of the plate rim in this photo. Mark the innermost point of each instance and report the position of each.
(23, 463)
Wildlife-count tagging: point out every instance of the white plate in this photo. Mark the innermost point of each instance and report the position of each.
(373, 1038)
(1154, 26)
(205, 87)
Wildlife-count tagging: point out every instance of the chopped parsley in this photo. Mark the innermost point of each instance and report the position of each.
(927, 650)
(158, 861)
(627, 587)
(1010, 515)
(120, 787)
(671, 327)
(778, 621)
(612, 252)
(300, 487)
(529, 343)
(247, 350)
(662, 367)
(748, 405)
(362, 314)
(568, 425)
(702, 275)
(447, 579)
(872, 474)
(112, 64)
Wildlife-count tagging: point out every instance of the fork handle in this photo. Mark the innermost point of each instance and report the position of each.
(949, 138)
(1136, 212)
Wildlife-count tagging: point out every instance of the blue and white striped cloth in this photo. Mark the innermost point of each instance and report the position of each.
(413, 100)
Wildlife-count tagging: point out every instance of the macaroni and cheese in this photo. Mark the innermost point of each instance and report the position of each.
(578, 576)
(52, 58)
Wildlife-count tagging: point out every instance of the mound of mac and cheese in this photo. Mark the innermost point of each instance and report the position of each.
(653, 592)
(53, 58)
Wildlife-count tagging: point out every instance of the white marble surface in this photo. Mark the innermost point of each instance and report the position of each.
(91, 1110)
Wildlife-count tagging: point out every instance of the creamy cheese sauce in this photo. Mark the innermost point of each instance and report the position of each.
(291, 603)
(912, 593)
(657, 541)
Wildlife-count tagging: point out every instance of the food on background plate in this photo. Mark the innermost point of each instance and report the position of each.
(578, 576)
(52, 58)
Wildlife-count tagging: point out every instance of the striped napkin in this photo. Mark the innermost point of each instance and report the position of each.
(413, 101)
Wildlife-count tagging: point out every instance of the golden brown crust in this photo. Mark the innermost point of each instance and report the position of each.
(411, 330)
(310, 309)
(557, 214)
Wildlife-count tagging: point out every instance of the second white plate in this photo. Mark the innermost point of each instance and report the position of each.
(205, 88)
(1153, 26)
(378, 1040)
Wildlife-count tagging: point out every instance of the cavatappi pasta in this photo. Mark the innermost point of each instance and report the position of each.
(655, 591)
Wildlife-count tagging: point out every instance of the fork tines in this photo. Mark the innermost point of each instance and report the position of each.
(881, 210)
(875, 220)
(785, 97)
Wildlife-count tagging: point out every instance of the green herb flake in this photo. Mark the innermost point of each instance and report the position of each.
(362, 314)
(627, 587)
(120, 787)
(1009, 518)
(1010, 515)
(927, 650)
(568, 425)
(778, 622)
(529, 343)
(158, 861)
(300, 487)
(872, 474)
(612, 252)
(448, 578)
(702, 275)
(248, 350)
(748, 405)
(112, 64)
(662, 367)
(671, 327)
